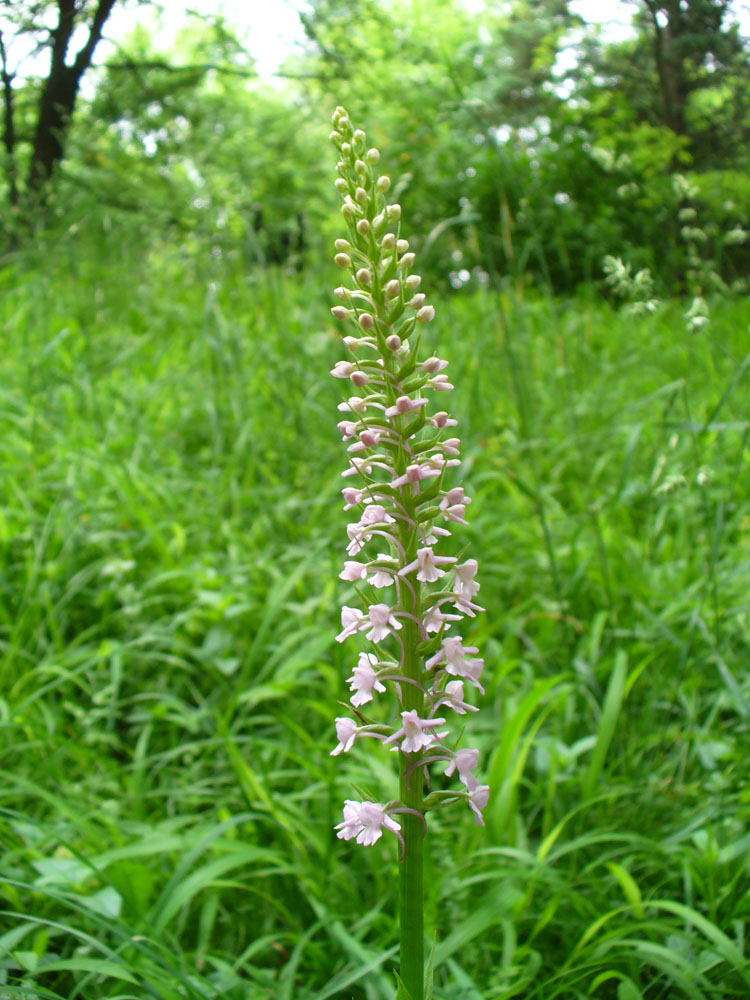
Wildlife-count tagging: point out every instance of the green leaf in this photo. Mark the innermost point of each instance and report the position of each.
(607, 723)
(430, 972)
(403, 993)
(724, 945)
(629, 888)
(94, 966)
(627, 990)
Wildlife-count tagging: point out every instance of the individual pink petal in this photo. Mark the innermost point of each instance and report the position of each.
(413, 732)
(432, 365)
(348, 428)
(456, 495)
(467, 607)
(352, 497)
(346, 733)
(455, 513)
(351, 824)
(442, 419)
(403, 405)
(391, 824)
(353, 571)
(375, 513)
(354, 404)
(381, 578)
(426, 563)
(365, 821)
(434, 620)
(357, 538)
(414, 473)
(451, 446)
(456, 662)
(464, 584)
(363, 680)
(350, 620)
(472, 673)
(478, 799)
(453, 697)
(372, 817)
(464, 762)
(382, 621)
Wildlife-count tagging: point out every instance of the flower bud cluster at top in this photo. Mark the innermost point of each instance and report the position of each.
(399, 452)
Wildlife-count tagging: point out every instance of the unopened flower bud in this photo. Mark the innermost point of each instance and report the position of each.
(359, 136)
(393, 288)
(342, 369)
(335, 136)
(347, 211)
(402, 246)
(363, 227)
(388, 242)
(361, 196)
(366, 321)
(378, 222)
(417, 301)
(359, 378)
(342, 245)
(341, 293)
(394, 212)
(351, 342)
(372, 155)
(426, 314)
(364, 277)
(341, 312)
(407, 260)
(393, 342)
(343, 260)
(341, 185)
(360, 167)
(346, 149)
(413, 281)
(382, 184)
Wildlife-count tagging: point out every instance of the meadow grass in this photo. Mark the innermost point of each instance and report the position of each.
(171, 533)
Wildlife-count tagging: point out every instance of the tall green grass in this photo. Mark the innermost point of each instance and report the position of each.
(171, 532)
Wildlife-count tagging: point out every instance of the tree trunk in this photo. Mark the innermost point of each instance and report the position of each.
(58, 97)
(673, 86)
(9, 131)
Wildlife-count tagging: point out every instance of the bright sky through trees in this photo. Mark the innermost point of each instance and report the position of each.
(273, 29)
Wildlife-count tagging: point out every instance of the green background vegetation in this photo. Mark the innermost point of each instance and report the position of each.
(171, 531)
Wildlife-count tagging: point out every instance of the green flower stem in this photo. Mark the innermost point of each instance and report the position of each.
(411, 869)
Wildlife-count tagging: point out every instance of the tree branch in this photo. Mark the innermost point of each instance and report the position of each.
(133, 65)
(83, 58)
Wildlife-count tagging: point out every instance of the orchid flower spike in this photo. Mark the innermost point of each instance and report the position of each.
(409, 663)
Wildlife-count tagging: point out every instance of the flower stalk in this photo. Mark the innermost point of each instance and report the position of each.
(399, 453)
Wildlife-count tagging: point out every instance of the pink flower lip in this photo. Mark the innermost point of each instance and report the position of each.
(403, 405)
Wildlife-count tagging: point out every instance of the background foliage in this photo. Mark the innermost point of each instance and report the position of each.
(170, 536)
